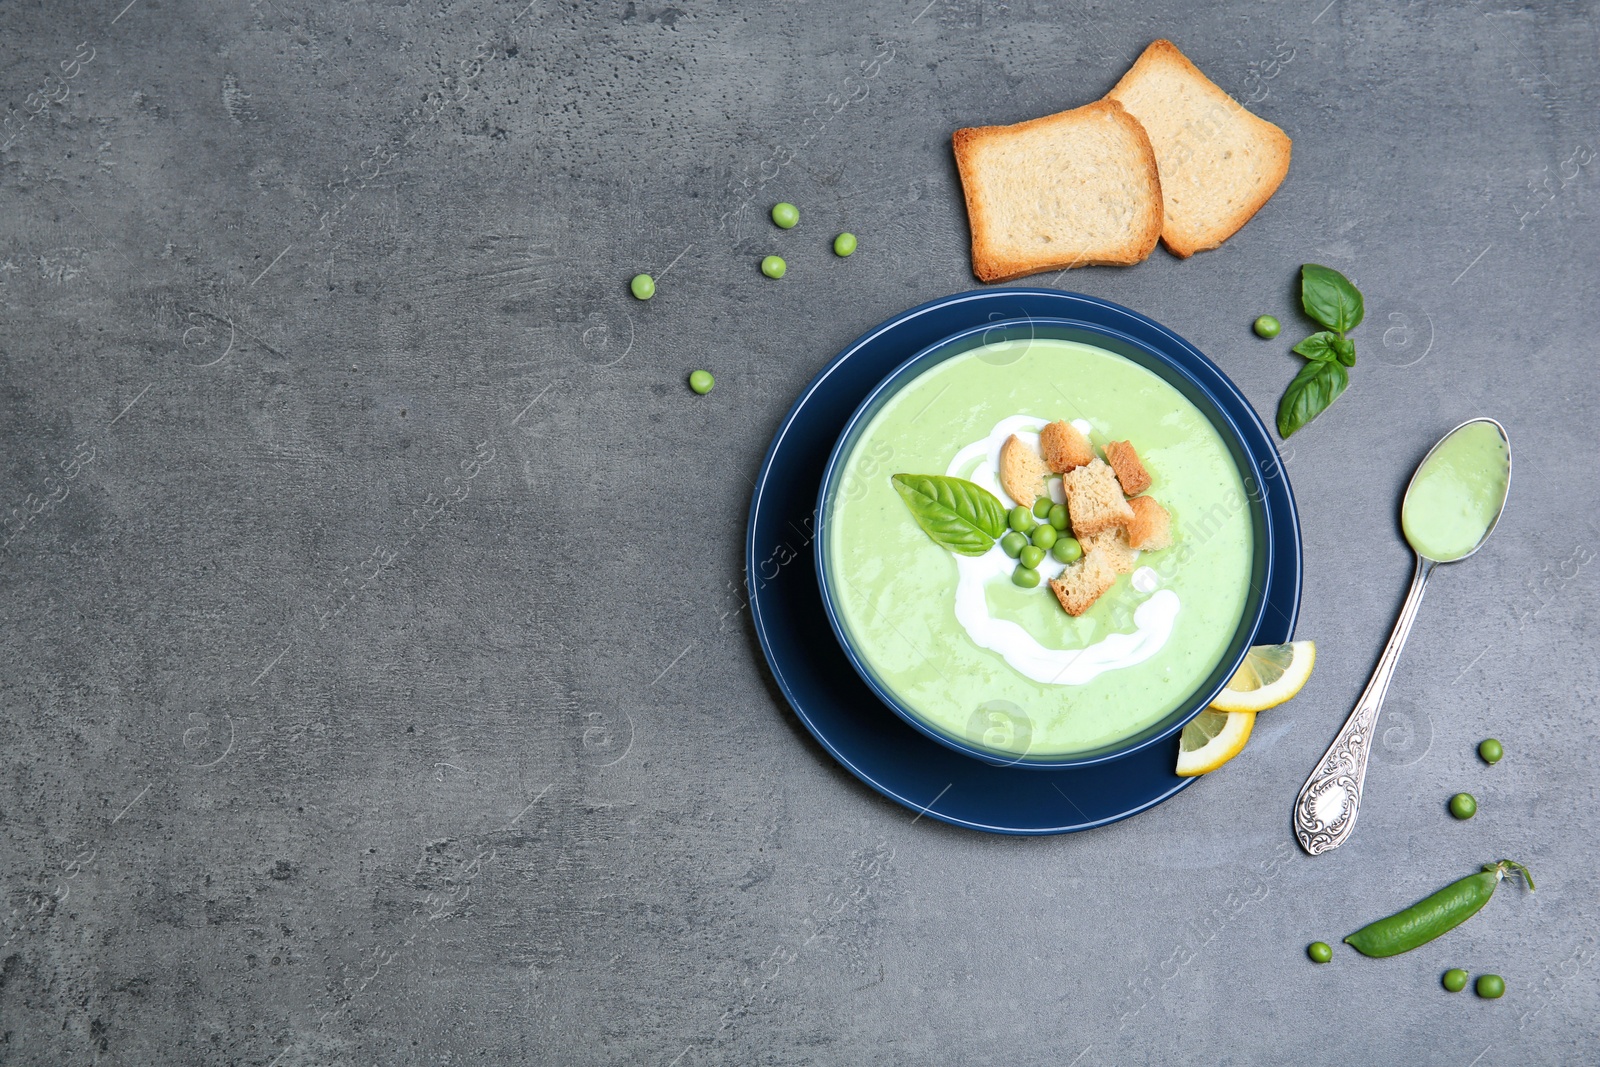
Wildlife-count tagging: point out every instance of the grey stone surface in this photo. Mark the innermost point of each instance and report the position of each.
(373, 688)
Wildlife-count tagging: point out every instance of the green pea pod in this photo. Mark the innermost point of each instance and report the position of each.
(1434, 915)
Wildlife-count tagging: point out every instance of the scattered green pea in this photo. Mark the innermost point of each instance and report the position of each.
(1490, 986)
(1020, 519)
(1044, 537)
(1463, 806)
(701, 382)
(1031, 556)
(1058, 516)
(1041, 508)
(773, 266)
(844, 244)
(1455, 979)
(1490, 750)
(1012, 543)
(1320, 952)
(785, 215)
(1026, 577)
(1067, 550)
(642, 286)
(1267, 326)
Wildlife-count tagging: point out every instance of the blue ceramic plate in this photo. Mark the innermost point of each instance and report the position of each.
(816, 676)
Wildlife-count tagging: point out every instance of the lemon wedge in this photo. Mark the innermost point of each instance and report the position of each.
(1211, 739)
(1269, 675)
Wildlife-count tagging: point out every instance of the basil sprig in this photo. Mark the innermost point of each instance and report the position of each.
(1333, 302)
(956, 513)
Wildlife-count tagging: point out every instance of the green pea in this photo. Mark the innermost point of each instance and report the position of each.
(1067, 550)
(1058, 516)
(1434, 915)
(1455, 979)
(1031, 556)
(1041, 508)
(643, 286)
(844, 244)
(1020, 519)
(1490, 986)
(1012, 543)
(701, 382)
(1463, 806)
(1320, 952)
(785, 215)
(1044, 537)
(1267, 326)
(1490, 750)
(773, 266)
(1026, 577)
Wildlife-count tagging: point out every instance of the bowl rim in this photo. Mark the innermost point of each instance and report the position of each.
(1220, 418)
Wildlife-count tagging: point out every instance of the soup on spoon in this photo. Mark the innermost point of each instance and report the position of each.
(1457, 493)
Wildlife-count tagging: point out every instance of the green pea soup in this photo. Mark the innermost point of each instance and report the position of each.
(1456, 495)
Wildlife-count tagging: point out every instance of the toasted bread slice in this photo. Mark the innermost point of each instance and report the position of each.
(1112, 546)
(1130, 472)
(1083, 582)
(1151, 528)
(1022, 473)
(1064, 448)
(1094, 500)
(1071, 189)
(1219, 163)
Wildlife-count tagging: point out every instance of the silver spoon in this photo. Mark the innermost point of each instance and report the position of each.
(1325, 811)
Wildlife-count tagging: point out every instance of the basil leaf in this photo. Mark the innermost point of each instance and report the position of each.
(1319, 346)
(1345, 350)
(959, 515)
(1318, 384)
(1329, 298)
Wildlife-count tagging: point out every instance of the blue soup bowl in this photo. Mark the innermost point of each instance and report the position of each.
(1125, 333)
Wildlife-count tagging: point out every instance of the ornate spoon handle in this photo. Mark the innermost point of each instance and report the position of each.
(1325, 812)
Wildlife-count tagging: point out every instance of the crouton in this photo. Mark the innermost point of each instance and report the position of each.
(1113, 546)
(1094, 501)
(1130, 472)
(1063, 447)
(1151, 527)
(1022, 473)
(1083, 582)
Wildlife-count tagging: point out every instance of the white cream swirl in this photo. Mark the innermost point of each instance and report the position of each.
(979, 462)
